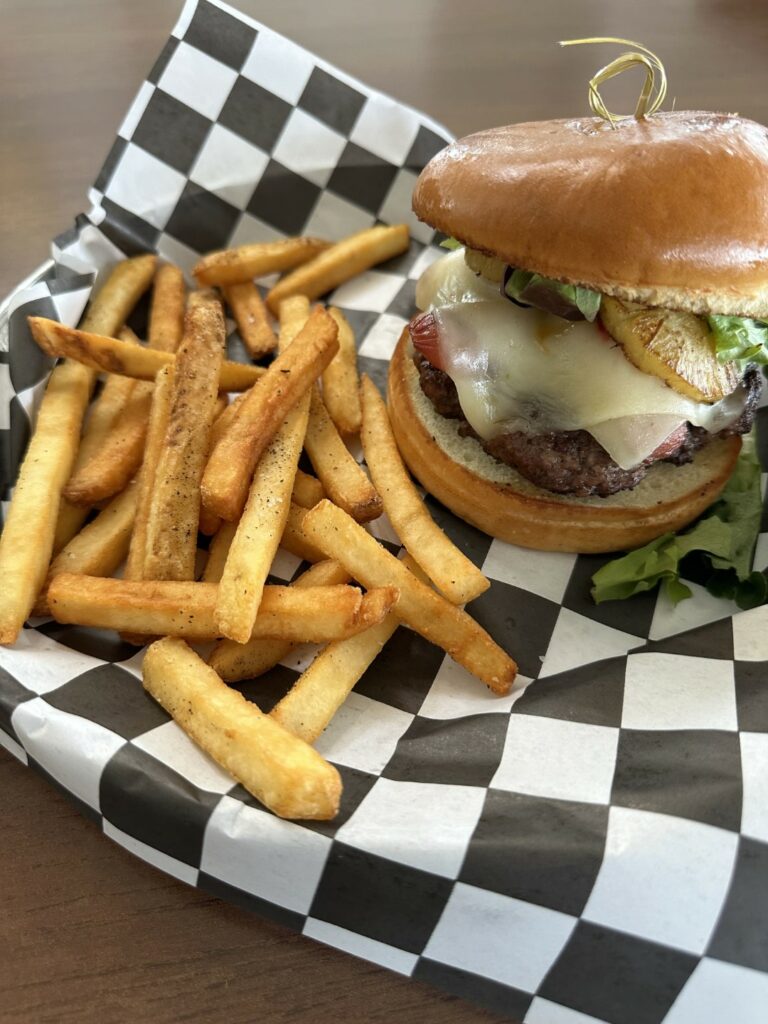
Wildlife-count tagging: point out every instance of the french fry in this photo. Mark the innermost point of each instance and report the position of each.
(295, 541)
(26, 542)
(180, 608)
(341, 261)
(251, 317)
(218, 551)
(235, 661)
(260, 528)
(174, 507)
(455, 576)
(285, 774)
(166, 312)
(222, 423)
(99, 548)
(158, 423)
(307, 489)
(230, 467)
(231, 266)
(429, 614)
(340, 381)
(114, 301)
(293, 314)
(115, 356)
(343, 479)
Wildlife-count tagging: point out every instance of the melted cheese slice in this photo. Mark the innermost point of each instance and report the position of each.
(522, 369)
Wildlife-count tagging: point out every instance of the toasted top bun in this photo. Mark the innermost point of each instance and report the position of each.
(498, 500)
(667, 211)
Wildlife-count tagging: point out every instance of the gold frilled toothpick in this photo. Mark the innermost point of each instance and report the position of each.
(640, 56)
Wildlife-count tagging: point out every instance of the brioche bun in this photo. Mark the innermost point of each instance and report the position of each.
(495, 498)
(667, 211)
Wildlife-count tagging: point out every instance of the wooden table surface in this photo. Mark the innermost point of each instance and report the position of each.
(87, 932)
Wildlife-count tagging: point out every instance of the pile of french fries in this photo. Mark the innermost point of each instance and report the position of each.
(162, 455)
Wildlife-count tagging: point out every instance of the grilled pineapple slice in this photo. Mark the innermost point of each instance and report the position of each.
(677, 347)
(488, 266)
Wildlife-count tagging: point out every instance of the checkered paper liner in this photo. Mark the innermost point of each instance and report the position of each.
(591, 848)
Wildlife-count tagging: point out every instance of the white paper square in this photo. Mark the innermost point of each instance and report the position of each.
(382, 338)
(662, 878)
(251, 229)
(284, 565)
(542, 1011)
(197, 80)
(425, 260)
(136, 110)
(162, 861)
(9, 743)
(577, 640)
(73, 750)
(41, 664)
(702, 608)
(721, 993)
(401, 820)
(229, 166)
(361, 945)
(146, 186)
(668, 691)
(761, 553)
(455, 693)
(545, 573)
(171, 249)
(259, 853)
(385, 128)
(371, 290)
(278, 65)
(171, 745)
(558, 759)
(334, 218)
(309, 147)
(6, 388)
(396, 208)
(750, 634)
(499, 937)
(363, 734)
(754, 768)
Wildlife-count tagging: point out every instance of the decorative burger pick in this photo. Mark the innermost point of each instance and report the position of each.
(583, 367)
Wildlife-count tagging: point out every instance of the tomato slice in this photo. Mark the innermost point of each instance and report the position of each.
(426, 337)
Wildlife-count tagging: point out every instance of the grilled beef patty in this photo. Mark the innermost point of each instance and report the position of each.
(572, 461)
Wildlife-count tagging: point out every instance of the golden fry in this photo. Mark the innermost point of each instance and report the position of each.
(345, 259)
(218, 551)
(166, 313)
(231, 266)
(115, 356)
(26, 542)
(293, 314)
(295, 541)
(429, 614)
(230, 468)
(251, 317)
(285, 774)
(307, 489)
(235, 661)
(455, 576)
(343, 479)
(113, 303)
(340, 381)
(174, 507)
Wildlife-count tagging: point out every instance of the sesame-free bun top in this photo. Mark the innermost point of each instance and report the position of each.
(671, 210)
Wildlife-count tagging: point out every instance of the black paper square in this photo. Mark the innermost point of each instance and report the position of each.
(283, 199)
(426, 145)
(385, 679)
(519, 621)
(461, 752)
(131, 234)
(356, 787)
(171, 131)
(631, 616)
(80, 805)
(161, 63)
(220, 34)
(403, 263)
(689, 773)
(376, 897)
(12, 693)
(13, 444)
(151, 802)
(404, 303)
(741, 936)
(247, 901)
(377, 370)
(537, 850)
(362, 177)
(713, 640)
(593, 694)
(112, 697)
(472, 542)
(494, 996)
(361, 321)
(751, 695)
(112, 160)
(98, 643)
(255, 113)
(616, 977)
(201, 219)
(331, 101)
(27, 363)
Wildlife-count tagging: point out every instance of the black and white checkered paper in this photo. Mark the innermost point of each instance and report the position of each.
(591, 848)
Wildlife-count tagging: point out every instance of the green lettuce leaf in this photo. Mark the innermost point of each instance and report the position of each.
(720, 545)
(738, 340)
(450, 243)
(567, 300)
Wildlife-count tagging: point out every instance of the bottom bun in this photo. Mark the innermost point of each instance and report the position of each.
(502, 503)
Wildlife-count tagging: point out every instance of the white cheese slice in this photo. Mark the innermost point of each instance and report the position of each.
(522, 369)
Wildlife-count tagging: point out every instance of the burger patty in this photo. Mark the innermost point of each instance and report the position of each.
(572, 461)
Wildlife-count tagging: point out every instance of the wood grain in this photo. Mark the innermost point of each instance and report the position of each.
(88, 932)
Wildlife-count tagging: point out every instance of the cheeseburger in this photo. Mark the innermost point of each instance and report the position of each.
(580, 372)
